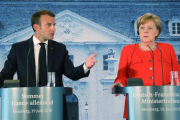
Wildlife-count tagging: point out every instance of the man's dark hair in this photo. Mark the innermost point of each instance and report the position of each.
(35, 19)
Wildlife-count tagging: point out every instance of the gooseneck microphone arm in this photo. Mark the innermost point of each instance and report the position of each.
(28, 66)
(153, 65)
(161, 65)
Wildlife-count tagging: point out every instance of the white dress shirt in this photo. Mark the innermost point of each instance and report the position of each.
(36, 56)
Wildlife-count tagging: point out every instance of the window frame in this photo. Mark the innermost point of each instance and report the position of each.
(170, 25)
(105, 63)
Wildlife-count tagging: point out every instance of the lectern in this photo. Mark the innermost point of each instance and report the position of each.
(33, 103)
(152, 102)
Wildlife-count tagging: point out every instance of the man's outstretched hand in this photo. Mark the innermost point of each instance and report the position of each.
(90, 61)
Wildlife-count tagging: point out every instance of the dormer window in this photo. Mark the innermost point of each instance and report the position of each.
(174, 27)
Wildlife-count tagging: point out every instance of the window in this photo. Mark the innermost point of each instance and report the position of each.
(135, 28)
(174, 27)
(105, 64)
(178, 57)
(71, 57)
(1, 26)
(71, 98)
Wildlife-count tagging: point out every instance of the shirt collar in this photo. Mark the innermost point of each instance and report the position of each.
(36, 41)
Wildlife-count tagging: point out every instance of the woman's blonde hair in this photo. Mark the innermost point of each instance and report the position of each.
(149, 16)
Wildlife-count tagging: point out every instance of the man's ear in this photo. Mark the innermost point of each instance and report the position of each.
(36, 27)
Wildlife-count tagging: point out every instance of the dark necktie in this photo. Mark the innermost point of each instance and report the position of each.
(42, 65)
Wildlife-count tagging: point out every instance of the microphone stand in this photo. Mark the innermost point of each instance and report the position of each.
(28, 66)
(161, 65)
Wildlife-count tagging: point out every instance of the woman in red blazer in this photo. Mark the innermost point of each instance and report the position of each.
(136, 60)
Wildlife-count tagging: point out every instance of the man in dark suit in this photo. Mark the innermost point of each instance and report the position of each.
(24, 57)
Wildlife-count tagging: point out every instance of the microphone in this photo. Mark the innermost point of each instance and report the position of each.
(28, 66)
(153, 65)
(161, 65)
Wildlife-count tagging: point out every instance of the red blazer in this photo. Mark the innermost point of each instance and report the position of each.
(136, 63)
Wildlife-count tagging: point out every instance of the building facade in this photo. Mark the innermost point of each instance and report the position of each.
(86, 27)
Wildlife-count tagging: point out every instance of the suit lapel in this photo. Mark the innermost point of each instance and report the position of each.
(50, 55)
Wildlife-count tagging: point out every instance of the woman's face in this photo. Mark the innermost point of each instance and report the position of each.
(148, 32)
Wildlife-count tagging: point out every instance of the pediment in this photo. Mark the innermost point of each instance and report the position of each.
(71, 27)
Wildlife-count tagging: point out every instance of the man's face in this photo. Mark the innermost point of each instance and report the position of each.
(45, 31)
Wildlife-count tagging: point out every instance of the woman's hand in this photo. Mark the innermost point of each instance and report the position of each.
(118, 84)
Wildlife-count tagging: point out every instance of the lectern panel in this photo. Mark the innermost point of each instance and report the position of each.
(33, 103)
(152, 102)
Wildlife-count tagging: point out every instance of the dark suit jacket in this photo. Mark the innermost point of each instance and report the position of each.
(21, 60)
(58, 62)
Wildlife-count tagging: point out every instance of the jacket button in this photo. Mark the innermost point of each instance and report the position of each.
(150, 68)
(151, 77)
(150, 60)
